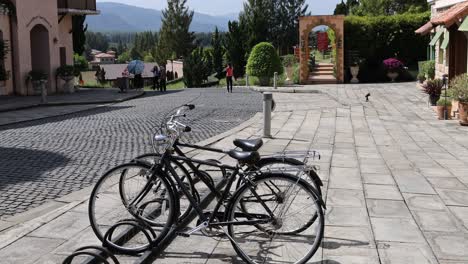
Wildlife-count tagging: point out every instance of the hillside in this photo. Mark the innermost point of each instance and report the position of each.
(127, 18)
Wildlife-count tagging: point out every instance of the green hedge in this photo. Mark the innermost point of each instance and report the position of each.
(381, 37)
(264, 62)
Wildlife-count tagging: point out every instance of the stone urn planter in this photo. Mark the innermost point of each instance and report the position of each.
(69, 85)
(67, 74)
(354, 72)
(39, 87)
(392, 75)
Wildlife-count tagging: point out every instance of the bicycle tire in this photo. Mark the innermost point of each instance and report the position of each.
(184, 205)
(314, 178)
(245, 237)
(106, 207)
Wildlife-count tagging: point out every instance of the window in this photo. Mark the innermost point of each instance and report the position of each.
(63, 56)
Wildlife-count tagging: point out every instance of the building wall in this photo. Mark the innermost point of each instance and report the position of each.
(45, 13)
(5, 28)
(442, 58)
(446, 3)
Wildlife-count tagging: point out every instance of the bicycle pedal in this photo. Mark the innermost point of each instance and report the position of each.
(183, 235)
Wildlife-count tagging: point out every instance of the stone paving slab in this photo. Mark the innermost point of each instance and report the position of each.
(395, 181)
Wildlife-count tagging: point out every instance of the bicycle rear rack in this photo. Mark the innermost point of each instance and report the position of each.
(305, 155)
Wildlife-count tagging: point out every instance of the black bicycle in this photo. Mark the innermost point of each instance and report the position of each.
(267, 218)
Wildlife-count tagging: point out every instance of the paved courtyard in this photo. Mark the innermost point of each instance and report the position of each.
(49, 158)
(396, 181)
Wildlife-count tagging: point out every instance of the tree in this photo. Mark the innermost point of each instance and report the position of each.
(235, 45)
(264, 62)
(124, 57)
(195, 69)
(341, 9)
(208, 57)
(135, 54)
(175, 36)
(79, 34)
(97, 41)
(256, 17)
(387, 7)
(275, 21)
(218, 53)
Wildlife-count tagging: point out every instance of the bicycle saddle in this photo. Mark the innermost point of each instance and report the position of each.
(244, 157)
(249, 144)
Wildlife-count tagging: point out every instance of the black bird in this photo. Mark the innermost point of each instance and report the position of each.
(367, 97)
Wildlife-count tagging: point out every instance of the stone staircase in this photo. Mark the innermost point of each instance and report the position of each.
(322, 74)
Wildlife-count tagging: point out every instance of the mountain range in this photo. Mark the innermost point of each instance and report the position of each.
(116, 17)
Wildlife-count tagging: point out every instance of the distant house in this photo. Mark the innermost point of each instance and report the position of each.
(100, 58)
(39, 36)
(449, 30)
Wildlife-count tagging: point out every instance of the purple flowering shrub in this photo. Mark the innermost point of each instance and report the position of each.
(393, 64)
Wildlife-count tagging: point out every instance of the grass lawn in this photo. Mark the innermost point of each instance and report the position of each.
(179, 85)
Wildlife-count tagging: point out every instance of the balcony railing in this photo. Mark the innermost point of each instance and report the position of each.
(74, 6)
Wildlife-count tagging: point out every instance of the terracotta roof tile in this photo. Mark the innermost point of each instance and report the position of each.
(426, 29)
(452, 15)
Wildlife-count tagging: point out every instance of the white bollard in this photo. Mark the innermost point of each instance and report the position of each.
(275, 80)
(267, 106)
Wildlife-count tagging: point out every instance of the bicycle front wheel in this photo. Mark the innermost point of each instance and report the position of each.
(108, 210)
(264, 219)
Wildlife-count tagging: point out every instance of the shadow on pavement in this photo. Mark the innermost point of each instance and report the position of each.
(26, 165)
(343, 243)
(54, 119)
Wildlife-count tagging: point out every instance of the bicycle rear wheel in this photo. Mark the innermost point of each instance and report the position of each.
(265, 222)
(185, 176)
(108, 209)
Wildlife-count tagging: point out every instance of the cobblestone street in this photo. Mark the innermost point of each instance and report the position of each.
(49, 158)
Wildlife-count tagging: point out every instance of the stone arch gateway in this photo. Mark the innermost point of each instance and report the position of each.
(306, 25)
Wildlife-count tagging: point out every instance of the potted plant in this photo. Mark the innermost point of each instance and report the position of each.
(67, 74)
(459, 90)
(441, 104)
(4, 76)
(393, 67)
(433, 88)
(429, 70)
(421, 78)
(38, 80)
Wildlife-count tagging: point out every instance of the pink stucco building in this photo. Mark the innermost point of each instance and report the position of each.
(39, 36)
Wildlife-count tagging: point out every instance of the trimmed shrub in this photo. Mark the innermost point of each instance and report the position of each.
(196, 69)
(444, 101)
(428, 69)
(264, 62)
(380, 37)
(459, 88)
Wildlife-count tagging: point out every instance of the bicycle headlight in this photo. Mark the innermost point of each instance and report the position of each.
(161, 143)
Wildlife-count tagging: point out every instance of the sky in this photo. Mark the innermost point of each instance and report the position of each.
(221, 7)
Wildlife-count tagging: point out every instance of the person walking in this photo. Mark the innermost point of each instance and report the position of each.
(156, 75)
(162, 77)
(229, 76)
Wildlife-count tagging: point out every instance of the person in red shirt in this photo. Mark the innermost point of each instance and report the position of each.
(229, 76)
